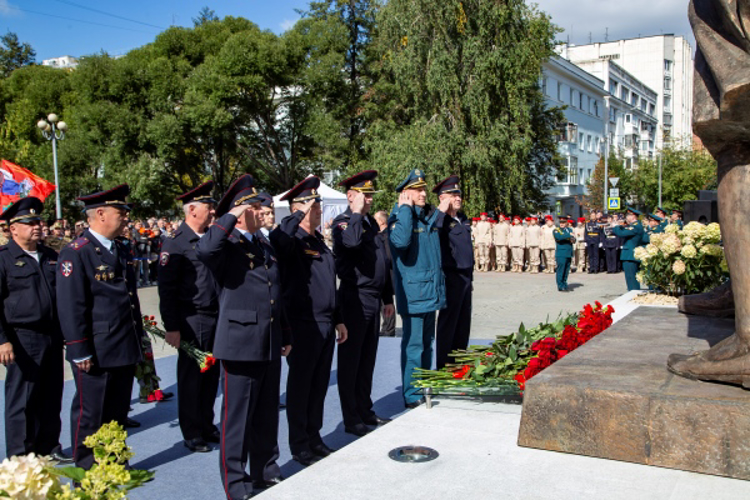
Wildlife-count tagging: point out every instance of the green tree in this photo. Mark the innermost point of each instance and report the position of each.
(14, 54)
(457, 92)
(206, 15)
(594, 200)
(684, 173)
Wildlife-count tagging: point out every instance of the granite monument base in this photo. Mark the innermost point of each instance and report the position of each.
(614, 398)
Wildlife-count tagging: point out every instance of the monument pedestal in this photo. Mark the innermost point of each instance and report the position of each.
(614, 398)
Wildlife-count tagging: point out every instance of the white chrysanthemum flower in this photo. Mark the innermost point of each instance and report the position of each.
(678, 267)
(688, 251)
(652, 250)
(712, 233)
(670, 245)
(658, 238)
(672, 229)
(641, 254)
(27, 477)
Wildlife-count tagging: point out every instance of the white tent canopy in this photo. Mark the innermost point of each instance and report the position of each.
(333, 203)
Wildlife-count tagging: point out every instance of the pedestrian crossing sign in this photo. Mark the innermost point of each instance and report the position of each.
(614, 204)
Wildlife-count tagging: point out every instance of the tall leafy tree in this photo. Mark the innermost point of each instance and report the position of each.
(594, 200)
(14, 54)
(457, 92)
(206, 15)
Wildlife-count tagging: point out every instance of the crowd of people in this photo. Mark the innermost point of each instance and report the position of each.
(234, 282)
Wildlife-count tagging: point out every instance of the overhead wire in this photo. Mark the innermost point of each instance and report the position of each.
(27, 11)
(116, 16)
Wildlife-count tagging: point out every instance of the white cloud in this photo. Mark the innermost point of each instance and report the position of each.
(620, 19)
(7, 9)
(287, 24)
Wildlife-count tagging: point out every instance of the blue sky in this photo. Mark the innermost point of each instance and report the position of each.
(54, 36)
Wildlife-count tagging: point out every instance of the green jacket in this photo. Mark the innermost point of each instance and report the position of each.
(419, 282)
(564, 239)
(632, 237)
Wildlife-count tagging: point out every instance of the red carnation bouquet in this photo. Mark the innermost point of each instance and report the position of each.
(503, 367)
(204, 359)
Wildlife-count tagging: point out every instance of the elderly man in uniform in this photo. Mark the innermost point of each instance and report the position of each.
(364, 268)
(418, 276)
(250, 340)
(565, 240)
(454, 322)
(500, 233)
(100, 317)
(189, 305)
(632, 235)
(309, 289)
(30, 341)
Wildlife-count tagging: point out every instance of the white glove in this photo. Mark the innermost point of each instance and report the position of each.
(601, 245)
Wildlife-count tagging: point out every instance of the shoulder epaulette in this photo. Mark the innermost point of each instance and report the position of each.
(79, 243)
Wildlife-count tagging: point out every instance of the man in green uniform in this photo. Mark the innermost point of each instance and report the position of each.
(661, 217)
(565, 239)
(632, 235)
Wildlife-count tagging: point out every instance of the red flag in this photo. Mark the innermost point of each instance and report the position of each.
(17, 183)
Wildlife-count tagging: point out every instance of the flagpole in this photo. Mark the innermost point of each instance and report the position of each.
(54, 130)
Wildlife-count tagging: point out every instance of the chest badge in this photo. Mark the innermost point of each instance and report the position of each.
(66, 268)
(20, 263)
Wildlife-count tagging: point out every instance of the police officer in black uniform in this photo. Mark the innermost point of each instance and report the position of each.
(100, 317)
(611, 243)
(250, 340)
(593, 239)
(309, 288)
(30, 340)
(189, 305)
(454, 322)
(363, 266)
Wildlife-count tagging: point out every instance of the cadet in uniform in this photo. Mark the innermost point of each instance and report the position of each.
(483, 241)
(565, 240)
(533, 241)
(100, 317)
(580, 247)
(250, 340)
(309, 290)
(500, 234)
(364, 268)
(30, 341)
(611, 243)
(517, 242)
(548, 244)
(189, 305)
(454, 321)
(593, 242)
(418, 276)
(631, 233)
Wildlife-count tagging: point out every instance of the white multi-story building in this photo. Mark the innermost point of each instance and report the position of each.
(662, 62)
(581, 138)
(633, 122)
(62, 62)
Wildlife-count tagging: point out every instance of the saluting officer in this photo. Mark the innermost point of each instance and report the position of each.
(364, 268)
(309, 289)
(30, 340)
(661, 217)
(189, 305)
(454, 321)
(100, 316)
(676, 218)
(565, 240)
(593, 239)
(249, 342)
(632, 235)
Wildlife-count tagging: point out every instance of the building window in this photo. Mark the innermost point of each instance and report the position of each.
(613, 87)
(573, 99)
(627, 118)
(667, 84)
(572, 170)
(613, 115)
(624, 94)
(581, 145)
(544, 85)
(644, 104)
(559, 91)
(596, 108)
(651, 109)
(667, 104)
(667, 65)
(634, 99)
(580, 102)
(590, 144)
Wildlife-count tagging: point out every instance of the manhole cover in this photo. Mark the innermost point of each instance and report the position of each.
(413, 454)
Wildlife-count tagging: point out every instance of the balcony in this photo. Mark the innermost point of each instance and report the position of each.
(629, 129)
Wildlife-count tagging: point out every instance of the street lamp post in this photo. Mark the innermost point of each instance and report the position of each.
(54, 130)
(605, 198)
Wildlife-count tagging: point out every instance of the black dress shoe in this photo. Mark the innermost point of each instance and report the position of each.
(262, 484)
(376, 420)
(212, 437)
(305, 458)
(322, 450)
(357, 429)
(197, 445)
(59, 457)
(414, 404)
(131, 424)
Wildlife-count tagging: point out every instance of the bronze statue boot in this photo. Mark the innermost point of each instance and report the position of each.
(728, 361)
(718, 302)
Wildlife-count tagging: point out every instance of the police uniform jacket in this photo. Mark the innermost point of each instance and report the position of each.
(609, 238)
(631, 237)
(251, 321)
(500, 233)
(417, 264)
(564, 239)
(363, 262)
(455, 243)
(308, 272)
(593, 234)
(186, 285)
(27, 291)
(97, 302)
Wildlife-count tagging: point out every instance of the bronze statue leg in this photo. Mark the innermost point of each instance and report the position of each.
(729, 360)
(718, 302)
